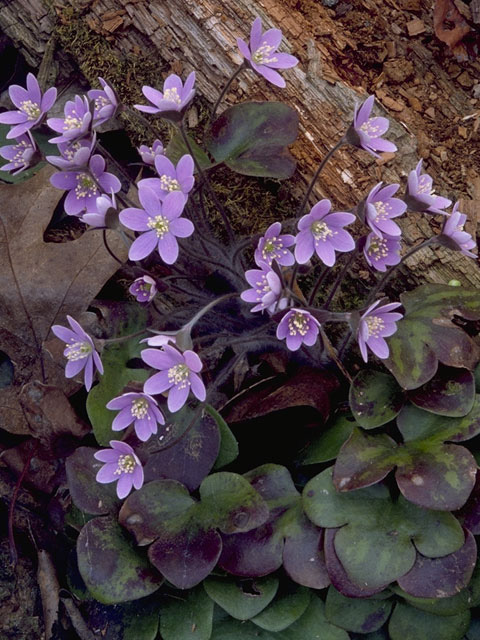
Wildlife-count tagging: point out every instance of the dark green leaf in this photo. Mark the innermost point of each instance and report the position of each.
(128, 621)
(451, 392)
(88, 494)
(251, 138)
(408, 623)
(328, 444)
(189, 618)
(284, 610)
(177, 148)
(242, 599)
(375, 398)
(415, 424)
(228, 443)
(361, 615)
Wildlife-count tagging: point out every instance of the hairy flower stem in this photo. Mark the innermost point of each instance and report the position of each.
(333, 354)
(339, 279)
(339, 144)
(237, 71)
(204, 178)
(104, 341)
(189, 326)
(104, 237)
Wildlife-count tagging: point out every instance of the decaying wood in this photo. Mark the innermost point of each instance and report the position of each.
(201, 35)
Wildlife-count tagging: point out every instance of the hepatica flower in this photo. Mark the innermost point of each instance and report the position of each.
(262, 55)
(122, 465)
(144, 289)
(31, 106)
(366, 132)
(454, 236)
(381, 207)
(376, 324)
(178, 374)
(298, 327)
(139, 408)
(82, 186)
(172, 179)
(160, 225)
(273, 246)
(19, 155)
(419, 195)
(149, 154)
(175, 96)
(79, 351)
(75, 154)
(105, 102)
(266, 290)
(77, 122)
(322, 232)
(381, 253)
(98, 217)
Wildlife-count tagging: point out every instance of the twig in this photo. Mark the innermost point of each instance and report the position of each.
(49, 591)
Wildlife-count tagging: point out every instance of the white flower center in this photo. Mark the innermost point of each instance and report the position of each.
(20, 159)
(30, 109)
(262, 287)
(378, 249)
(382, 209)
(263, 54)
(86, 186)
(169, 184)
(101, 102)
(372, 130)
(72, 122)
(78, 350)
(321, 231)
(126, 464)
(172, 95)
(179, 375)
(424, 186)
(160, 224)
(298, 323)
(375, 326)
(139, 408)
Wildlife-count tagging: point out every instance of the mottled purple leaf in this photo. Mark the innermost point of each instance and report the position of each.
(441, 577)
(360, 615)
(303, 556)
(469, 514)
(88, 494)
(375, 398)
(451, 392)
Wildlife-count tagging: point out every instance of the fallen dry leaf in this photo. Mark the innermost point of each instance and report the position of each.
(444, 13)
(41, 283)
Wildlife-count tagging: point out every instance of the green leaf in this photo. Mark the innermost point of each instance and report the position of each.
(189, 618)
(242, 599)
(451, 392)
(408, 623)
(111, 568)
(228, 443)
(251, 138)
(362, 615)
(427, 334)
(87, 494)
(328, 444)
(177, 148)
(375, 398)
(284, 610)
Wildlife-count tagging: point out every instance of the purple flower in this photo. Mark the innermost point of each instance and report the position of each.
(31, 105)
(79, 351)
(175, 97)
(381, 207)
(273, 247)
(97, 218)
(77, 122)
(376, 324)
(144, 289)
(178, 373)
(82, 186)
(419, 195)
(322, 232)
(121, 464)
(298, 327)
(266, 290)
(160, 340)
(454, 236)
(105, 103)
(365, 132)
(139, 408)
(381, 253)
(179, 178)
(148, 154)
(74, 155)
(20, 154)
(262, 55)
(160, 225)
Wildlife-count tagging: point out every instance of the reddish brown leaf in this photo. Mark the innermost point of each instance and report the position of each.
(445, 13)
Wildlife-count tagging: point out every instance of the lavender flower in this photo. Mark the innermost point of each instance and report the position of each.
(74, 155)
(160, 225)
(298, 327)
(77, 122)
(179, 178)
(149, 154)
(376, 324)
(266, 290)
(419, 195)
(262, 55)
(175, 97)
(139, 408)
(98, 218)
(82, 186)
(178, 374)
(144, 289)
(454, 236)
(121, 464)
(272, 246)
(322, 232)
(381, 253)
(160, 340)
(105, 103)
(31, 105)
(20, 154)
(79, 351)
(365, 132)
(381, 207)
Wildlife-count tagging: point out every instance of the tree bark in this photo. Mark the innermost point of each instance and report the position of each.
(201, 35)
